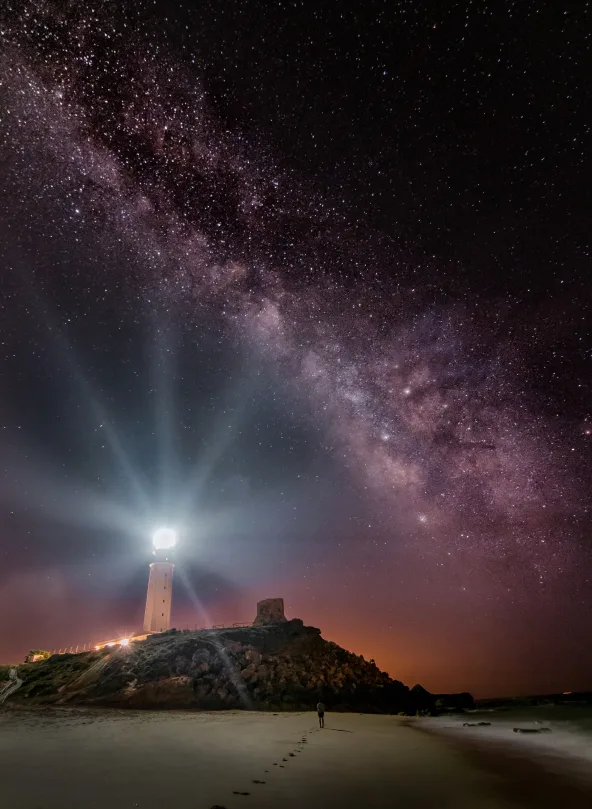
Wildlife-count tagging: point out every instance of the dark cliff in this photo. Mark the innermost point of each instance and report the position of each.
(283, 666)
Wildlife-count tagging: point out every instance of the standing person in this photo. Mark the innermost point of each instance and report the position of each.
(321, 713)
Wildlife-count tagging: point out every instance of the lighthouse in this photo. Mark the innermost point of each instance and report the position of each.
(157, 617)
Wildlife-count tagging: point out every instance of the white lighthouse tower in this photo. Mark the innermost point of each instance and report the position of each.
(157, 617)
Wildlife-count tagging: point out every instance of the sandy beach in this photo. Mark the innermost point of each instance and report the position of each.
(65, 759)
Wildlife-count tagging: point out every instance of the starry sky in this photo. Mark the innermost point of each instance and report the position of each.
(311, 285)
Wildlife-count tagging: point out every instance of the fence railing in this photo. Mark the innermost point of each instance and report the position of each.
(88, 647)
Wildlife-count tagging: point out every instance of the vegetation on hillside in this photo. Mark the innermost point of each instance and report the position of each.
(285, 666)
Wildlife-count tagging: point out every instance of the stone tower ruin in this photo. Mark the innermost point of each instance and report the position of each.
(270, 611)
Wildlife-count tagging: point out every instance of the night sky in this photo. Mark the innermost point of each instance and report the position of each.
(310, 282)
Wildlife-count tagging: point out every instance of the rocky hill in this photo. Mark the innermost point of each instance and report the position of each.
(284, 666)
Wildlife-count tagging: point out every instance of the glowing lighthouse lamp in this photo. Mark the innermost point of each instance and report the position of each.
(157, 617)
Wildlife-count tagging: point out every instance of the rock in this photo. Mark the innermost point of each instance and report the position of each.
(202, 692)
(455, 702)
(200, 657)
(253, 656)
(423, 700)
(532, 730)
(250, 672)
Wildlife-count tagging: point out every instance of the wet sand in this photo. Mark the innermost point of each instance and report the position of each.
(67, 759)
(548, 765)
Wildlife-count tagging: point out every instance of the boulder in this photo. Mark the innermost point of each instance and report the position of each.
(233, 647)
(250, 672)
(253, 656)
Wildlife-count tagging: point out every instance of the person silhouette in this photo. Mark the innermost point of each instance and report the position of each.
(321, 714)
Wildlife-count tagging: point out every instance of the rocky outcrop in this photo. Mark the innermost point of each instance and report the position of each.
(455, 702)
(283, 666)
(441, 703)
(10, 685)
(423, 700)
(279, 666)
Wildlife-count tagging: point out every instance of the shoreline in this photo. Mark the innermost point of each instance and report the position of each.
(207, 758)
(541, 770)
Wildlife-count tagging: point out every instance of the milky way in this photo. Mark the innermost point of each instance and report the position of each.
(420, 400)
(423, 398)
